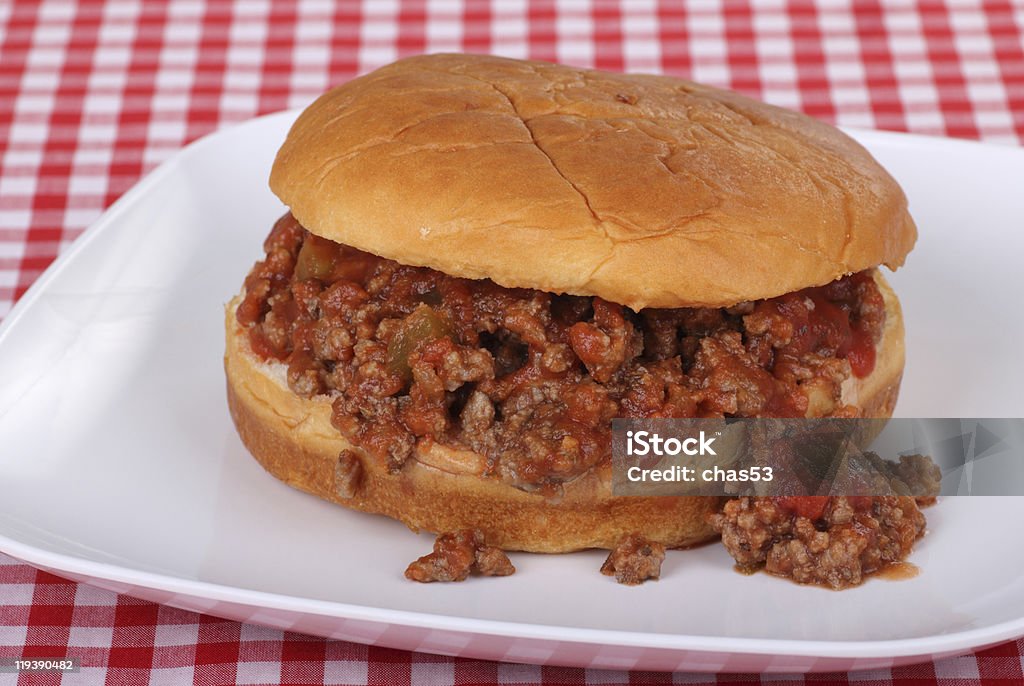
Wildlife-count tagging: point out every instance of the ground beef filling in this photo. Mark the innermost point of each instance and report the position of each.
(529, 380)
(825, 541)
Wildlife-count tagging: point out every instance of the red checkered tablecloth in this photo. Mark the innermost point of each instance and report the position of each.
(94, 94)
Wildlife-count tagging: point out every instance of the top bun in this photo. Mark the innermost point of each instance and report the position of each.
(648, 191)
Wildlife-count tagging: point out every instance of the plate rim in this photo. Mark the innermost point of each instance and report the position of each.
(923, 646)
(940, 643)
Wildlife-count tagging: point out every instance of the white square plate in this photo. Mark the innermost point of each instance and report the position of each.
(119, 464)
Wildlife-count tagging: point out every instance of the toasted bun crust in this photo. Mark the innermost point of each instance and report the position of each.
(647, 191)
(293, 438)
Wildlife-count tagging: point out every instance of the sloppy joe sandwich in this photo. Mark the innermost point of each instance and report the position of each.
(485, 260)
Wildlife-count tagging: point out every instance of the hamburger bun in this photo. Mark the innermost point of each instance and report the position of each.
(567, 180)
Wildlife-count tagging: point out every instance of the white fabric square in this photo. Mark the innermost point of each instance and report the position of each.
(168, 635)
(964, 667)
(258, 673)
(90, 637)
(439, 673)
(345, 672)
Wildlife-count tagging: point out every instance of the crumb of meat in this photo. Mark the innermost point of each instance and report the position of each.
(348, 474)
(913, 475)
(634, 561)
(922, 476)
(457, 555)
(837, 549)
(491, 561)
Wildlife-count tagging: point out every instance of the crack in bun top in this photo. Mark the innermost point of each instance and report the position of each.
(647, 191)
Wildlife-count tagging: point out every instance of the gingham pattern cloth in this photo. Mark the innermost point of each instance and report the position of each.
(94, 94)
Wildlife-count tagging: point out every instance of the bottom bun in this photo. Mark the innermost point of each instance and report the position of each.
(294, 440)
